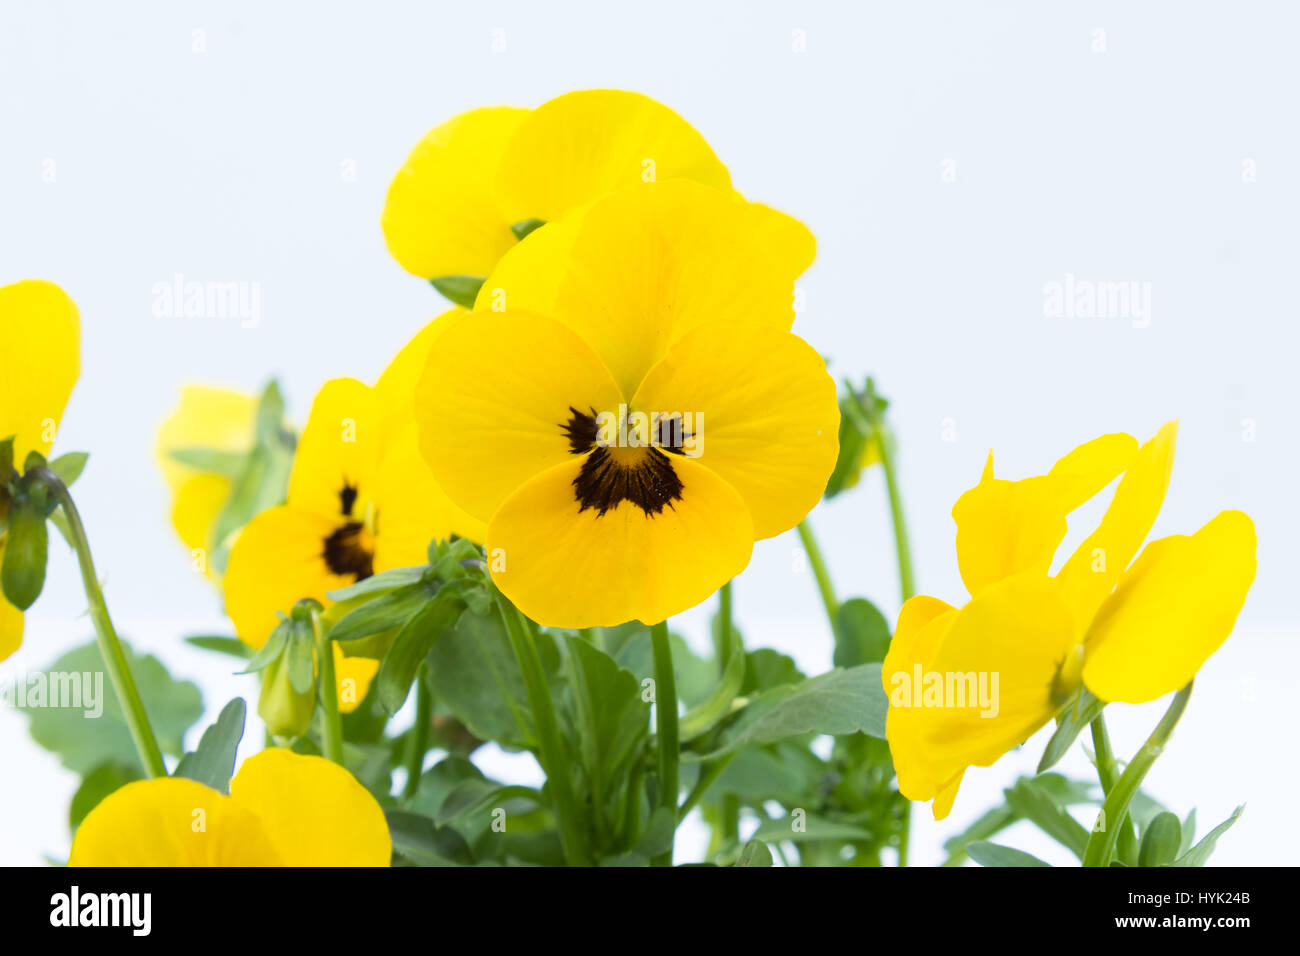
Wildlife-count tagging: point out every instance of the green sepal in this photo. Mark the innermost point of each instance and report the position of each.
(462, 290)
(213, 762)
(524, 227)
(1083, 710)
(1160, 843)
(26, 547)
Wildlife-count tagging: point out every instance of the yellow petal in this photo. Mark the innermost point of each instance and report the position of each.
(443, 215)
(208, 418)
(584, 144)
(1096, 566)
(395, 390)
(1003, 666)
(758, 408)
(494, 400)
(1006, 527)
(354, 676)
(638, 269)
(566, 567)
(1171, 611)
(277, 560)
(335, 466)
(39, 363)
(197, 502)
(11, 623)
(171, 821)
(314, 811)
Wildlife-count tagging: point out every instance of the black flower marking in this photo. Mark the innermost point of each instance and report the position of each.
(344, 553)
(643, 476)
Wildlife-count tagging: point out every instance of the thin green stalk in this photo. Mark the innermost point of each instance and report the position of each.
(820, 571)
(573, 836)
(666, 727)
(1108, 774)
(902, 546)
(418, 743)
(331, 720)
(110, 647)
(725, 629)
(729, 807)
(709, 774)
(1101, 845)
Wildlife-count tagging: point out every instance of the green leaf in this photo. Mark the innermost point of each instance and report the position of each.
(462, 290)
(1160, 842)
(840, 702)
(232, 646)
(755, 853)
(768, 669)
(861, 634)
(1033, 802)
(69, 467)
(472, 797)
(655, 841)
(522, 228)
(26, 549)
(1063, 791)
(217, 461)
(630, 647)
(1188, 832)
(705, 715)
(809, 827)
(300, 658)
(213, 761)
(270, 652)
(1198, 854)
(419, 840)
(412, 645)
(82, 742)
(994, 854)
(389, 610)
(437, 783)
(98, 784)
(389, 580)
(476, 679)
(1082, 712)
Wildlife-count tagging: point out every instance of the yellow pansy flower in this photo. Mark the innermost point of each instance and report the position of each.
(1128, 630)
(215, 419)
(284, 809)
(639, 414)
(40, 360)
(468, 189)
(361, 500)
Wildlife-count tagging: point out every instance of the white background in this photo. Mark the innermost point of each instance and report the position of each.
(1122, 163)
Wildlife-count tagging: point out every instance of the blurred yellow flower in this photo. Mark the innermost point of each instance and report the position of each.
(1127, 630)
(284, 809)
(40, 360)
(214, 420)
(361, 500)
(475, 185)
(639, 412)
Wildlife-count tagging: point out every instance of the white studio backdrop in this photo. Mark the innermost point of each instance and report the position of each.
(962, 165)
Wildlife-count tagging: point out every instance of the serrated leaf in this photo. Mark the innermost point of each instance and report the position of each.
(840, 702)
(462, 290)
(213, 762)
(861, 634)
(994, 854)
(82, 744)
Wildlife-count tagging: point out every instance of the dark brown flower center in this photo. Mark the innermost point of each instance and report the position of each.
(641, 474)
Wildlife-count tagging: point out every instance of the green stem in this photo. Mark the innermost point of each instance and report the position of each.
(1101, 845)
(1108, 774)
(666, 726)
(331, 720)
(820, 571)
(573, 836)
(725, 629)
(418, 743)
(709, 774)
(906, 583)
(110, 647)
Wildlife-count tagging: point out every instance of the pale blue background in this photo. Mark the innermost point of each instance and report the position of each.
(1125, 164)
